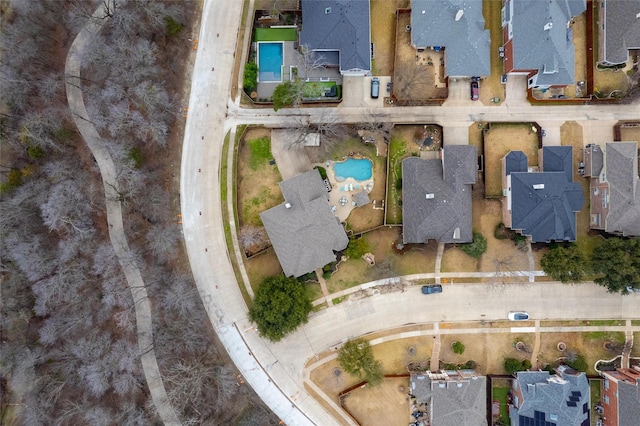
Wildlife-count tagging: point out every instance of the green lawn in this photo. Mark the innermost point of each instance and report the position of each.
(397, 152)
(594, 385)
(275, 34)
(317, 89)
(260, 152)
(500, 394)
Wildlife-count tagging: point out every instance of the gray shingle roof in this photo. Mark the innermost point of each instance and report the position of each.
(558, 159)
(466, 41)
(622, 29)
(553, 395)
(345, 28)
(597, 160)
(624, 188)
(547, 212)
(628, 403)
(361, 198)
(516, 161)
(450, 404)
(306, 234)
(448, 213)
(549, 51)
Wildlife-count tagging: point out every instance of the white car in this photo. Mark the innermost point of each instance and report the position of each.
(518, 316)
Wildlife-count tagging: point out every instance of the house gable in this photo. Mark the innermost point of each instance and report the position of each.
(342, 27)
(459, 27)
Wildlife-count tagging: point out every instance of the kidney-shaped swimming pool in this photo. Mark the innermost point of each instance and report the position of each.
(359, 169)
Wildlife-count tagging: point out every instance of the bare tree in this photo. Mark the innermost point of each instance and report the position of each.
(251, 237)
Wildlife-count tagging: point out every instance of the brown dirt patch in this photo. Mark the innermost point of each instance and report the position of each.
(492, 86)
(388, 263)
(395, 355)
(590, 348)
(499, 139)
(383, 28)
(501, 255)
(262, 266)
(417, 76)
(386, 404)
(606, 81)
(455, 260)
(257, 190)
(630, 134)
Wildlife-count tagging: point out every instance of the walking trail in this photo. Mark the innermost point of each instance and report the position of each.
(114, 215)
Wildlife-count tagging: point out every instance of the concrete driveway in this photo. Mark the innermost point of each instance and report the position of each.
(291, 161)
(356, 92)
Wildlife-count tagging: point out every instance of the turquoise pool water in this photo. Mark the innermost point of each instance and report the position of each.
(360, 169)
(270, 62)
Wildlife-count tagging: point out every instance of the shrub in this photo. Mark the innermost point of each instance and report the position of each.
(512, 365)
(399, 184)
(34, 152)
(322, 171)
(476, 248)
(526, 364)
(14, 180)
(458, 348)
(250, 79)
(135, 155)
(357, 248)
(579, 364)
(173, 27)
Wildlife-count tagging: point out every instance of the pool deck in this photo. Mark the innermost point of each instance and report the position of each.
(342, 211)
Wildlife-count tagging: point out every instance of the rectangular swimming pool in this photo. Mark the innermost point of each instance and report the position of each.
(270, 60)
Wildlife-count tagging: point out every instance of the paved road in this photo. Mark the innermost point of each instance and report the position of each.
(142, 306)
(276, 370)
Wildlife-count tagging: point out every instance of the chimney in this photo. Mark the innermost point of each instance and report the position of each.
(538, 186)
(287, 205)
(430, 196)
(548, 26)
(459, 14)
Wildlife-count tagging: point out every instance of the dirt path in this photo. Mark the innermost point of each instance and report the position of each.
(142, 306)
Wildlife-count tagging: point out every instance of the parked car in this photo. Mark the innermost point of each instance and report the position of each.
(475, 90)
(518, 316)
(431, 289)
(375, 87)
(631, 289)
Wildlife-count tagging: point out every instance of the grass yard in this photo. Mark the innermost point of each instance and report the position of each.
(386, 404)
(400, 147)
(498, 141)
(388, 263)
(591, 349)
(630, 134)
(275, 34)
(571, 135)
(500, 395)
(257, 181)
(319, 89)
(595, 391)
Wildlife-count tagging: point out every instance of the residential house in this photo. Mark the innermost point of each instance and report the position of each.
(436, 196)
(339, 32)
(621, 397)
(537, 37)
(451, 398)
(544, 399)
(614, 188)
(458, 27)
(541, 204)
(303, 231)
(619, 32)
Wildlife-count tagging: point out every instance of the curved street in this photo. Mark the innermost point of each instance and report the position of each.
(276, 371)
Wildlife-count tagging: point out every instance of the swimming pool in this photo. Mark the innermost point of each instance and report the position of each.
(270, 61)
(360, 169)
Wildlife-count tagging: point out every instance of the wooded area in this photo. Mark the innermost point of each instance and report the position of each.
(69, 352)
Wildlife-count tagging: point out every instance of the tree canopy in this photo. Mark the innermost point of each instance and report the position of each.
(565, 263)
(280, 306)
(617, 260)
(357, 248)
(287, 94)
(356, 358)
(477, 247)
